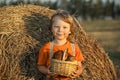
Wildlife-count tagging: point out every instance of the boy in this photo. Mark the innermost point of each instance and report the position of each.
(61, 27)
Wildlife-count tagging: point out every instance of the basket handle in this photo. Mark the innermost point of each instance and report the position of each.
(65, 52)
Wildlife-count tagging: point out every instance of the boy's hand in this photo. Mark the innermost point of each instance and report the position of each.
(77, 72)
(52, 74)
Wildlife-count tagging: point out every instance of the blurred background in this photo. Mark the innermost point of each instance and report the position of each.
(99, 18)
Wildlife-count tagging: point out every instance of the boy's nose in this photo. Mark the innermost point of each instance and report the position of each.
(60, 29)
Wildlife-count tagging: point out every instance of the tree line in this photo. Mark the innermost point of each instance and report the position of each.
(85, 9)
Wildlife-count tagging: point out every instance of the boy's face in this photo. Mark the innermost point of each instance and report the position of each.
(60, 29)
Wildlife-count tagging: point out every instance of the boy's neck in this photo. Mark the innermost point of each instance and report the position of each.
(59, 42)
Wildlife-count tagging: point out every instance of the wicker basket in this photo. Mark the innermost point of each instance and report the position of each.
(63, 68)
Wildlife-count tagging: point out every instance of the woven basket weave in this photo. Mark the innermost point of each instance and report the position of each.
(63, 68)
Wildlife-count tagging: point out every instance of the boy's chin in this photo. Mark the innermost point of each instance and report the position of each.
(60, 38)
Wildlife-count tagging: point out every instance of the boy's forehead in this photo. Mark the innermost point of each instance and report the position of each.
(60, 22)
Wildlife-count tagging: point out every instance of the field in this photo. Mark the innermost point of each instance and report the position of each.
(107, 32)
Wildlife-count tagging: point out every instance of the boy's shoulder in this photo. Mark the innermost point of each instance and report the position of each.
(72, 43)
(46, 45)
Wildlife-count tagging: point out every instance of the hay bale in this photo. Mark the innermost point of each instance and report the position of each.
(24, 28)
(21, 28)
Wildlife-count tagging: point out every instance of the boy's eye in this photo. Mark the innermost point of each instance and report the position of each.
(64, 27)
(56, 26)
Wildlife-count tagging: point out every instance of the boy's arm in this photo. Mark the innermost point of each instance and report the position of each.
(43, 69)
(80, 69)
(46, 71)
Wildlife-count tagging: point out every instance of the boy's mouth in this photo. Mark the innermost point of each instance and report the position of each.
(59, 34)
